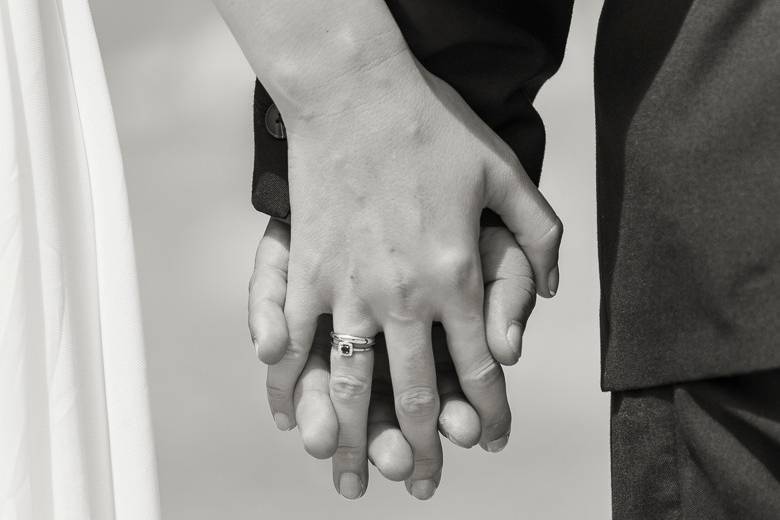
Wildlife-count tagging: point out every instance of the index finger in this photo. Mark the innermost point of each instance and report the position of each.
(267, 292)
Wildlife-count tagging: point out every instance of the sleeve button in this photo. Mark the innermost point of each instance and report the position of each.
(274, 124)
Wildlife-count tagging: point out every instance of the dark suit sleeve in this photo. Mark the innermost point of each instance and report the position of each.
(496, 54)
(269, 180)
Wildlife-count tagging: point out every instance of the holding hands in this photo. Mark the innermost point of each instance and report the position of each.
(389, 172)
(386, 195)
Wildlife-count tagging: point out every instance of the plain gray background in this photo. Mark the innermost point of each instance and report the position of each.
(182, 96)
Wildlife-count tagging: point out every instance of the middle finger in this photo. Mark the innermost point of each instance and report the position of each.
(413, 375)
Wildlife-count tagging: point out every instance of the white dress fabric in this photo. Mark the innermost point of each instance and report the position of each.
(75, 434)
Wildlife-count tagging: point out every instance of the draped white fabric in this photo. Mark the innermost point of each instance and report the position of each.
(75, 433)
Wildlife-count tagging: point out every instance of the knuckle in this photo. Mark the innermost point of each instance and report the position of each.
(350, 455)
(419, 402)
(348, 387)
(461, 268)
(276, 393)
(525, 289)
(267, 270)
(554, 233)
(295, 351)
(529, 303)
(404, 284)
(424, 465)
(484, 374)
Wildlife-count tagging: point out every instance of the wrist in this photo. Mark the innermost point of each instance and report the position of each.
(355, 74)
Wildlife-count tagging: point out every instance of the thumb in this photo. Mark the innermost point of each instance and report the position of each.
(535, 226)
(267, 293)
(509, 293)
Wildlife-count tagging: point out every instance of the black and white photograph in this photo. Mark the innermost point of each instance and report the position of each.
(389, 259)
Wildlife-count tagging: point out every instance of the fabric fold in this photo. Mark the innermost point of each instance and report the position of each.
(77, 440)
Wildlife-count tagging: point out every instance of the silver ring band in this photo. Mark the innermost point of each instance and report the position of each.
(347, 344)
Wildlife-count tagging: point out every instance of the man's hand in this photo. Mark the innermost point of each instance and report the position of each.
(508, 303)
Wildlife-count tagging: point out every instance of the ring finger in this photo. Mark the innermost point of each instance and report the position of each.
(350, 392)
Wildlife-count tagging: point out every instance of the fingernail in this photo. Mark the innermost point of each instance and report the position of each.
(514, 336)
(282, 421)
(423, 489)
(552, 281)
(350, 486)
(496, 445)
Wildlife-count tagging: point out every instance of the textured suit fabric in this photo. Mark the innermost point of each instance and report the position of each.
(270, 193)
(688, 153)
(688, 144)
(707, 450)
